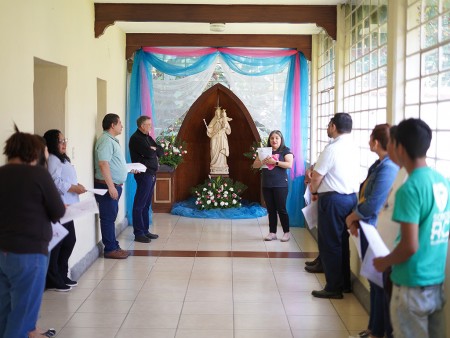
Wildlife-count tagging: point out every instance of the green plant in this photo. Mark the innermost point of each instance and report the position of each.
(173, 150)
(218, 193)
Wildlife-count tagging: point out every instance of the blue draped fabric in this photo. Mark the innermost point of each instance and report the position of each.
(295, 112)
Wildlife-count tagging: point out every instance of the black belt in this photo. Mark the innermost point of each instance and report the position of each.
(104, 182)
(321, 194)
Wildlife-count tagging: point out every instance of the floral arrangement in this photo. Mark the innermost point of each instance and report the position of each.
(173, 150)
(217, 193)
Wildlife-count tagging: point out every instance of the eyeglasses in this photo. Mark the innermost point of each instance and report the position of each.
(63, 141)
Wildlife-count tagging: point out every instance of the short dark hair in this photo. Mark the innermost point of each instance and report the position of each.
(343, 122)
(110, 119)
(25, 146)
(415, 136)
(393, 134)
(52, 138)
(42, 160)
(282, 145)
(141, 119)
(381, 134)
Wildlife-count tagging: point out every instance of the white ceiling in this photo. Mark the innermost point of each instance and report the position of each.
(231, 28)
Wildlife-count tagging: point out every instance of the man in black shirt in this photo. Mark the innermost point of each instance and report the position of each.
(143, 149)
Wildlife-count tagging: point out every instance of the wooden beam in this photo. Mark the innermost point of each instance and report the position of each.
(135, 41)
(108, 13)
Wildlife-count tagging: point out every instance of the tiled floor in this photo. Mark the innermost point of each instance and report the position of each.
(203, 279)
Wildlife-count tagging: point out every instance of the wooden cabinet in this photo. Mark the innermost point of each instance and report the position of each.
(164, 193)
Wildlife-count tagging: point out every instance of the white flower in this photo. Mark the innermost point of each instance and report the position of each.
(210, 192)
(231, 189)
(208, 202)
(222, 203)
(226, 203)
(204, 189)
(196, 202)
(225, 192)
(176, 150)
(215, 204)
(234, 201)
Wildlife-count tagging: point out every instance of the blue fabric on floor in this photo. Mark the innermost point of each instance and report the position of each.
(189, 209)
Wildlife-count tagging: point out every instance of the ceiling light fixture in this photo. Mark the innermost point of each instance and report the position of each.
(217, 27)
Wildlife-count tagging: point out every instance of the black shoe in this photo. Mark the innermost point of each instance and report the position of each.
(327, 294)
(314, 262)
(60, 288)
(142, 239)
(315, 268)
(70, 282)
(151, 236)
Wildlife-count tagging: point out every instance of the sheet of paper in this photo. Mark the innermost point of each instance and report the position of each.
(59, 232)
(80, 209)
(311, 214)
(368, 270)
(307, 195)
(97, 191)
(264, 153)
(136, 166)
(374, 239)
(376, 248)
(357, 241)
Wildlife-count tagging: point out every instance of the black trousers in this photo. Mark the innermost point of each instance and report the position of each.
(275, 199)
(58, 266)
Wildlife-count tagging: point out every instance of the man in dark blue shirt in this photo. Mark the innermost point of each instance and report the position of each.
(143, 149)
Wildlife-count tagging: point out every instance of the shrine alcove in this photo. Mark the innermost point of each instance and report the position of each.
(195, 168)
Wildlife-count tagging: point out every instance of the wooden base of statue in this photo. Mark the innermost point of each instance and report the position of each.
(217, 175)
(164, 193)
(219, 171)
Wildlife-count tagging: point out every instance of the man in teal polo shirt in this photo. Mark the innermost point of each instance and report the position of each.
(110, 173)
(422, 207)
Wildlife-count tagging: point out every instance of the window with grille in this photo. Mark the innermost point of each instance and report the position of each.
(325, 88)
(365, 72)
(427, 85)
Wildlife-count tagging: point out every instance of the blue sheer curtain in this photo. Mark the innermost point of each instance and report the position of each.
(242, 64)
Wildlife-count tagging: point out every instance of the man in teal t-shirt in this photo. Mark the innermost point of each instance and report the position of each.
(418, 261)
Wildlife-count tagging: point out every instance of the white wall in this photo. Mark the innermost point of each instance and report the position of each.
(62, 32)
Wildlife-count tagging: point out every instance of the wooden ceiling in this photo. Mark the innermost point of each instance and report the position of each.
(107, 14)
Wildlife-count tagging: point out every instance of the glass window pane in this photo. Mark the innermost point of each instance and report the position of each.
(382, 77)
(430, 33)
(382, 14)
(382, 98)
(431, 9)
(428, 113)
(444, 86)
(412, 90)
(443, 115)
(430, 62)
(443, 167)
(444, 28)
(383, 55)
(413, 17)
(442, 140)
(412, 111)
(413, 41)
(373, 60)
(428, 90)
(413, 66)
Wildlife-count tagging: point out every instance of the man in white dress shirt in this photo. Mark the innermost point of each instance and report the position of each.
(334, 183)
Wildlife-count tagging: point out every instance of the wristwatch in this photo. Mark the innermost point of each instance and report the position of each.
(276, 163)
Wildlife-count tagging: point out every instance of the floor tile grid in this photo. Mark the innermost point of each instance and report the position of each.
(235, 326)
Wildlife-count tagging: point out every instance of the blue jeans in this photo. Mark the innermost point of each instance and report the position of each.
(108, 209)
(22, 281)
(145, 183)
(333, 239)
(418, 312)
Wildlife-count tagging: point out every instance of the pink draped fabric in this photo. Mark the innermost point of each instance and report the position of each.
(180, 51)
(257, 53)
